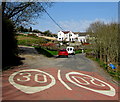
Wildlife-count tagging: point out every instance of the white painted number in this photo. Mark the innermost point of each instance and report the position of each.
(110, 92)
(36, 78)
(29, 89)
(72, 77)
(24, 76)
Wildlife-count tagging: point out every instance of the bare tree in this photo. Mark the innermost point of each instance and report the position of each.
(17, 13)
(106, 41)
(24, 12)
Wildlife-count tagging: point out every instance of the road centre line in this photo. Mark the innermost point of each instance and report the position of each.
(60, 79)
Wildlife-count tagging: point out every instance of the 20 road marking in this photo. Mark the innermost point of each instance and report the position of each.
(30, 90)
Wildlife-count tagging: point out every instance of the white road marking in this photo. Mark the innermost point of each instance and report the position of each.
(29, 89)
(60, 79)
(110, 92)
(25, 76)
(74, 77)
(44, 76)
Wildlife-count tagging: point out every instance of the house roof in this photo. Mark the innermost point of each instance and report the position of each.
(76, 32)
(65, 32)
(79, 33)
(83, 34)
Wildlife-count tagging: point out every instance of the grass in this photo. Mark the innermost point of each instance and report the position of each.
(114, 73)
(78, 51)
(29, 40)
(33, 41)
(101, 63)
(53, 52)
(36, 41)
(46, 52)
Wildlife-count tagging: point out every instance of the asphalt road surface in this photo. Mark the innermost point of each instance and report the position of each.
(72, 78)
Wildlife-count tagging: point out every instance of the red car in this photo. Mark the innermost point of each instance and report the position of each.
(63, 53)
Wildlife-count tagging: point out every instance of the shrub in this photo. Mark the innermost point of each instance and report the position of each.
(9, 44)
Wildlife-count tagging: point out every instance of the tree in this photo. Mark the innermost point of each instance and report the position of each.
(36, 31)
(22, 29)
(30, 30)
(23, 12)
(9, 44)
(17, 13)
(106, 41)
(47, 33)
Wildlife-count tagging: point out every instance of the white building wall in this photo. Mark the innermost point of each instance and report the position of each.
(82, 39)
(71, 37)
(60, 36)
(67, 37)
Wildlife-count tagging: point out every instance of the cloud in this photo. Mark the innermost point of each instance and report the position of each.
(74, 25)
(70, 25)
(79, 25)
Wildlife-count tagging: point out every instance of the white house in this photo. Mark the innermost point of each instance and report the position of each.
(67, 36)
(63, 35)
(82, 37)
(72, 36)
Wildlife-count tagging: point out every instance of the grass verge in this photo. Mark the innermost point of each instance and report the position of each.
(46, 52)
(114, 73)
(78, 51)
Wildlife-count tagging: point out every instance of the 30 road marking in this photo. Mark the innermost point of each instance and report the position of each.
(29, 89)
(77, 78)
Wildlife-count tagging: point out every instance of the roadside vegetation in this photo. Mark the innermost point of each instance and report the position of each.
(15, 14)
(29, 40)
(47, 48)
(44, 51)
(104, 46)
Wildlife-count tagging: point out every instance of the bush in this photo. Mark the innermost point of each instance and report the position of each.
(9, 44)
(78, 51)
(43, 51)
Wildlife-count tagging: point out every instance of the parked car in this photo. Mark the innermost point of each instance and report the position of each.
(70, 50)
(63, 53)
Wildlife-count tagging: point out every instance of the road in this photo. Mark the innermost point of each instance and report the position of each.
(72, 78)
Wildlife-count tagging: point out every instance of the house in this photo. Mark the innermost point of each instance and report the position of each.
(63, 36)
(66, 36)
(82, 37)
(72, 36)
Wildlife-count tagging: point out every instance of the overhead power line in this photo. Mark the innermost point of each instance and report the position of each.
(53, 19)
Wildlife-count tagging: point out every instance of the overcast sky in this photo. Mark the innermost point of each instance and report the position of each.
(77, 16)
